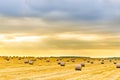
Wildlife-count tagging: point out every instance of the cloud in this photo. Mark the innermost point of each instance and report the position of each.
(84, 37)
(59, 41)
(38, 26)
(85, 10)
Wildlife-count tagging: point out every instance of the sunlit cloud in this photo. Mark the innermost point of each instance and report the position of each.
(21, 38)
(24, 39)
(84, 37)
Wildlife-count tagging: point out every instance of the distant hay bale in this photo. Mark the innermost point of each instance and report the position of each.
(62, 63)
(33, 59)
(59, 62)
(78, 67)
(115, 62)
(31, 62)
(99, 59)
(118, 66)
(102, 62)
(88, 61)
(82, 64)
(73, 60)
(7, 59)
(26, 61)
(40, 58)
(19, 58)
(58, 59)
(47, 60)
(110, 60)
(84, 59)
(91, 62)
(68, 60)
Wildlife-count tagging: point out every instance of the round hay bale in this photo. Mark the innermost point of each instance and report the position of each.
(47, 60)
(102, 62)
(115, 62)
(110, 60)
(82, 64)
(60, 58)
(78, 67)
(59, 62)
(31, 62)
(33, 59)
(84, 59)
(73, 60)
(118, 66)
(68, 60)
(40, 58)
(91, 62)
(88, 61)
(19, 58)
(26, 61)
(7, 59)
(62, 64)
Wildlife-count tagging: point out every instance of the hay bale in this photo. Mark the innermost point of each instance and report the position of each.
(59, 62)
(31, 62)
(82, 64)
(88, 61)
(102, 62)
(73, 60)
(118, 66)
(68, 60)
(110, 60)
(33, 59)
(19, 58)
(62, 64)
(7, 59)
(91, 62)
(115, 62)
(78, 67)
(47, 60)
(26, 61)
(84, 59)
(58, 59)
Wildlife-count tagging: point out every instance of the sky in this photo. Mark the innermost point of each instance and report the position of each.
(60, 28)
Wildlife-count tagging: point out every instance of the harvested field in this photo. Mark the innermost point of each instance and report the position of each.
(16, 69)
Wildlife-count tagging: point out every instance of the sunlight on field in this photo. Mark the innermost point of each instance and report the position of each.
(39, 68)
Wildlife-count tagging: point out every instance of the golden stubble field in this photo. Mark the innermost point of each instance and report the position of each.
(30, 68)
